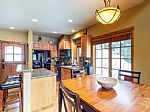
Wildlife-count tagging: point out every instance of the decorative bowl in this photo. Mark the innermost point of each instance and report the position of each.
(107, 82)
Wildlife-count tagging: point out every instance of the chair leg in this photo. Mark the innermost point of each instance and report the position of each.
(3, 102)
(60, 100)
(20, 100)
(5, 95)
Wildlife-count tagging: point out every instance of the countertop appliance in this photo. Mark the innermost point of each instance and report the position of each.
(41, 59)
(87, 64)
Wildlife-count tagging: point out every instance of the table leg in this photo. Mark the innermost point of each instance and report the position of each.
(60, 100)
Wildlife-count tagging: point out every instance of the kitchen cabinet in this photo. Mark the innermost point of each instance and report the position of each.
(64, 42)
(65, 73)
(53, 49)
(53, 69)
(41, 45)
(86, 46)
(46, 89)
(37, 45)
(46, 46)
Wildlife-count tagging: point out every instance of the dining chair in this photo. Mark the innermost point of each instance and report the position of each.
(130, 76)
(71, 100)
(10, 83)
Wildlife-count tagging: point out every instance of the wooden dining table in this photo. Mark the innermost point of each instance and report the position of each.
(124, 97)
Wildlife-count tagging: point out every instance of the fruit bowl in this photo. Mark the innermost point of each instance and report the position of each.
(107, 82)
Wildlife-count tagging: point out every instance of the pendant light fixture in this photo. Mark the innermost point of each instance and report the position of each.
(109, 14)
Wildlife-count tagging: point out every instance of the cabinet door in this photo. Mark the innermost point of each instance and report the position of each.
(83, 46)
(54, 51)
(65, 73)
(50, 47)
(86, 46)
(61, 44)
(68, 73)
(53, 69)
(67, 45)
(45, 45)
(37, 45)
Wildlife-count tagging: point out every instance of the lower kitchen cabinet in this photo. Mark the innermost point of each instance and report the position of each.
(65, 73)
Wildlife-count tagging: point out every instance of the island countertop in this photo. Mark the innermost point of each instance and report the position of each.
(41, 73)
(35, 73)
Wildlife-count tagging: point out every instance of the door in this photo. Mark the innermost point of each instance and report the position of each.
(12, 54)
(0, 63)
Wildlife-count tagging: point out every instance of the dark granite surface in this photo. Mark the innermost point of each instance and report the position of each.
(42, 72)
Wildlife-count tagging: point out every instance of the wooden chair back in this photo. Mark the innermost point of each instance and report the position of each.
(71, 99)
(130, 75)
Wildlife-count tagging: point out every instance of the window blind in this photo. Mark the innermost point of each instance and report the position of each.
(113, 37)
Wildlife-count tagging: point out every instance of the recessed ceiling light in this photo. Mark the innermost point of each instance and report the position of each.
(73, 30)
(54, 32)
(70, 21)
(35, 20)
(12, 27)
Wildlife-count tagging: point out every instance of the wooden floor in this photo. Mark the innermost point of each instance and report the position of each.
(14, 106)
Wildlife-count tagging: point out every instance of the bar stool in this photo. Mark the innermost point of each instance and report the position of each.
(11, 83)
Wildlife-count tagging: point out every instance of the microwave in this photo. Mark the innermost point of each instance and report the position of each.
(65, 53)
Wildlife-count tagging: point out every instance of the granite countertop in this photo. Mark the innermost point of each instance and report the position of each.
(41, 73)
(22, 68)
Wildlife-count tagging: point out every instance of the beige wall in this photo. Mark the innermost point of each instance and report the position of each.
(7, 35)
(45, 39)
(139, 17)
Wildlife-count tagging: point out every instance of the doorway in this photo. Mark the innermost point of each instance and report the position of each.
(11, 54)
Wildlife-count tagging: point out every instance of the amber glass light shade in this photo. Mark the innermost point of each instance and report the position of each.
(108, 15)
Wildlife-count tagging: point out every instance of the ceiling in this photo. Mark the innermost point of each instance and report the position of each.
(53, 15)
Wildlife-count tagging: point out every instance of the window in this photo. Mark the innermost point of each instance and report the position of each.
(78, 53)
(112, 56)
(102, 59)
(13, 54)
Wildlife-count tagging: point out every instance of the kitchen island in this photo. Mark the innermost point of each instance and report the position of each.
(39, 90)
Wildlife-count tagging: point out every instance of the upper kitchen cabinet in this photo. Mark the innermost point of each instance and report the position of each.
(41, 45)
(53, 49)
(37, 45)
(64, 42)
(86, 46)
(45, 45)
